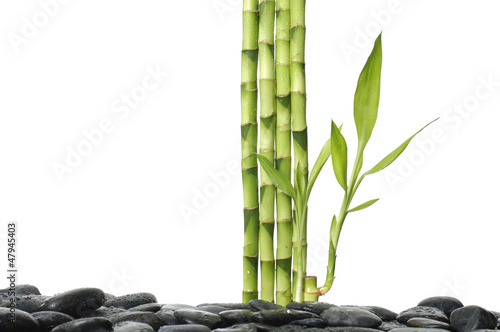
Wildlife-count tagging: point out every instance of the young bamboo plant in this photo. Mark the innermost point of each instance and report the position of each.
(366, 101)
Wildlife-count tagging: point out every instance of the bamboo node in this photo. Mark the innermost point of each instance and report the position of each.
(248, 123)
(250, 207)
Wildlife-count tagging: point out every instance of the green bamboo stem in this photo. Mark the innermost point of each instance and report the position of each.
(311, 292)
(249, 58)
(267, 137)
(283, 153)
(299, 127)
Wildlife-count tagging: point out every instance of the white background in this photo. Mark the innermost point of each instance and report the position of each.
(114, 221)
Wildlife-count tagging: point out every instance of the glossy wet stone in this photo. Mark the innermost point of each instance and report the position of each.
(231, 317)
(22, 290)
(281, 316)
(185, 328)
(349, 316)
(23, 322)
(96, 324)
(193, 316)
(167, 317)
(176, 306)
(428, 323)
(151, 307)
(264, 305)
(309, 322)
(145, 317)
(30, 303)
(76, 303)
(444, 303)
(215, 309)
(393, 324)
(132, 327)
(350, 329)
(50, 319)
(130, 300)
(471, 318)
(105, 312)
(384, 314)
(417, 329)
(228, 305)
(314, 307)
(422, 312)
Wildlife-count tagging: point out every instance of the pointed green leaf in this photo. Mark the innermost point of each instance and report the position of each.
(277, 177)
(367, 95)
(318, 165)
(339, 156)
(363, 206)
(394, 154)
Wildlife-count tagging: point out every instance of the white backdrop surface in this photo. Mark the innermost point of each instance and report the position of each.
(119, 131)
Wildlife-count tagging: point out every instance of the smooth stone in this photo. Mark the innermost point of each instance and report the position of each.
(384, 314)
(314, 307)
(422, 312)
(350, 329)
(105, 312)
(146, 317)
(236, 316)
(30, 303)
(151, 307)
(417, 329)
(472, 317)
(393, 324)
(280, 317)
(176, 306)
(132, 327)
(185, 328)
(130, 300)
(444, 303)
(215, 309)
(194, 316)
(167, 317)
(95, 324)
(297, 328)
(428, 323)
(232, 329)
(309, 322)
(22, 290)
(50, 319)
(264, 305)
(229, 306)
(24, 322)
(76, 303)
(253, 327)
(348, 316)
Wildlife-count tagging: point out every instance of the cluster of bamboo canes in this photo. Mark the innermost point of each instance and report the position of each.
(281, 86)
(283, 120)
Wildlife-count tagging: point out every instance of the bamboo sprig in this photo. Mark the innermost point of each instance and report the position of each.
(249, 97)
(267, 137)
(366, 101)
(283, 153)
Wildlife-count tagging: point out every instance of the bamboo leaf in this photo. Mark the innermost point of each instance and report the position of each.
(300, 182)
(363, 206)
(395, 154)
(367, 95)
(339, 156)
(277, 177)
(318, 166)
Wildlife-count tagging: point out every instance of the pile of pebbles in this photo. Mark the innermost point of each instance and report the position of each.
(92, 310)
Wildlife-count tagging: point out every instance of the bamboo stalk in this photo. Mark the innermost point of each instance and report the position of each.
(283, 153)
(299, 128)
(249, 58)
(267, 137)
